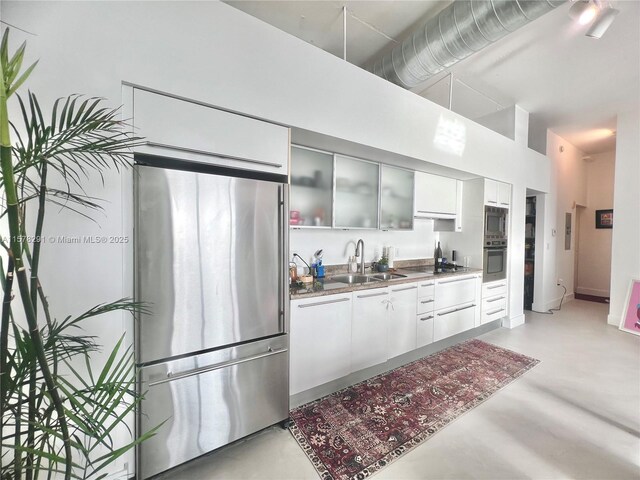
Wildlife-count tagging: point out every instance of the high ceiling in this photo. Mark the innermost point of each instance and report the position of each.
(569, 83)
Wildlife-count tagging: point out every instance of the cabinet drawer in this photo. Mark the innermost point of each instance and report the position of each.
(425, 304)
(424, 329)
(189, 131)
(494, 302)
(455, 291)
(494, 289)
(491, 314)
(426, 288)
(450, 321)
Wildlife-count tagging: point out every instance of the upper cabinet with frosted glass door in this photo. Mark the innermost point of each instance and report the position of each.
(310, 204)
(396, 198)
(356, 193)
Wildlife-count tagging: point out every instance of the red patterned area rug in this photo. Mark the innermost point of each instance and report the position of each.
(354, 433)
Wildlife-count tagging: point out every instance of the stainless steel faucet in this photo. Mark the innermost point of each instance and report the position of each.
(360, 254)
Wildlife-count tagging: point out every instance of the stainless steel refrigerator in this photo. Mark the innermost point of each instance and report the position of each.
(211, 267)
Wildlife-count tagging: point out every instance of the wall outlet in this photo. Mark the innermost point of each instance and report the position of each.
(560, 281)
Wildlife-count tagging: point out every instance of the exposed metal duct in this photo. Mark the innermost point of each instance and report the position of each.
(459, 30)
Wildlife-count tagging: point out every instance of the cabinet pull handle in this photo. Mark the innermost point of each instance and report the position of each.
(197, 371)
(431, 211)
(442, 314)
(491, 201)
(426, 301)
(402, 289)
(442, 282)
(323, 303)
(427, 284)
(372, 295)
(504, 203)
(494, 299)
(424, 319)
(495, 286)
(496, 311)
(211, 154)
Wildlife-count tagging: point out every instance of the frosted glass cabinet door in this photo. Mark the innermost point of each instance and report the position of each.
(356, 196)
(311, 188)
(396, 198)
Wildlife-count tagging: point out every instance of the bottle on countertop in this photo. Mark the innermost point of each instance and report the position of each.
(438, 258)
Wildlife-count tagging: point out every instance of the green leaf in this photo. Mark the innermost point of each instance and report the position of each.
(112, 456)
(110, 360)
(21, 80)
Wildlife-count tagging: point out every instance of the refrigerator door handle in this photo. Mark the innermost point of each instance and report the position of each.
(197, 371)
(283, 227)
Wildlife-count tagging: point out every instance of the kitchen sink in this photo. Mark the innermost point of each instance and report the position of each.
(351, 279)
(388, 276)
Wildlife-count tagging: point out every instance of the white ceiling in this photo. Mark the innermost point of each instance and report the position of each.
(569, 83)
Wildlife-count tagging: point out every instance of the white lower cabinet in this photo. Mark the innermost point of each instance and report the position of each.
(335, 335)
(451, 321)
(402, 319)
(424, 329)
(456, 305)
(320, 343)
(494, 301)
(454, 291)
(369, 324)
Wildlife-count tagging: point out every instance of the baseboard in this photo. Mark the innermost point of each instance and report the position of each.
(596, 292)
(613, 320)
(513, 322)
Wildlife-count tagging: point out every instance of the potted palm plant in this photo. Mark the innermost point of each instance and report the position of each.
(61, 424)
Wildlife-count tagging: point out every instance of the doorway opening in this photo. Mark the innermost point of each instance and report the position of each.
(529, 251)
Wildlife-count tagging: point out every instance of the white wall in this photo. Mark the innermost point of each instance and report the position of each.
(339, 245)
(625, 248)
(569, 178)
(594, 247)
(213, 53)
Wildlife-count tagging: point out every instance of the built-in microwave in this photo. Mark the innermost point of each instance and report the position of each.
(495, 223)
(495, 264)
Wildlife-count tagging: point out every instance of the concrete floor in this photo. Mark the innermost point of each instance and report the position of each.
(575, 415)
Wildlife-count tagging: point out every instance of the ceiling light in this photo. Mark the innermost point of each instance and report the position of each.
(602, 23)
(583, 11)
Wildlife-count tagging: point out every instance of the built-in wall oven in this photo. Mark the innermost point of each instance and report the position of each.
(495, 244)
(495, 223)
(495, 262)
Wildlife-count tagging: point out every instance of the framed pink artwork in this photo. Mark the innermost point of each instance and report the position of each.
(631, 315)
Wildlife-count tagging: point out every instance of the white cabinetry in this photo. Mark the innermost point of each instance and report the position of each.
(456, 306)
(369, 325)
(497, 194)
(402, 319)
(436, 196)
(320, 347)
(504, 195)
(189, 131)
(396, 198)
(494, 301)
(424, 319)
